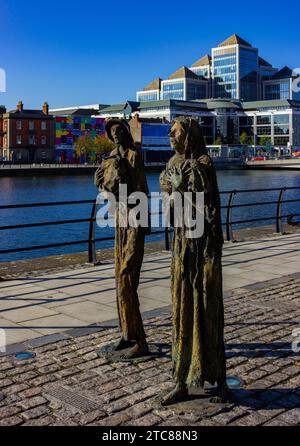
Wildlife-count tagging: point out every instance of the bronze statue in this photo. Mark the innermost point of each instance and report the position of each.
(125, 166)
(198, 351)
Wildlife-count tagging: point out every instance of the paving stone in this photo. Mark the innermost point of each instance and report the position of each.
(29, 403)
(36, 412)
(11, 421)
(258, 335)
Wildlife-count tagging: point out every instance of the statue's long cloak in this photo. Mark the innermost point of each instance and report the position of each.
(196, 284)
(129, 241)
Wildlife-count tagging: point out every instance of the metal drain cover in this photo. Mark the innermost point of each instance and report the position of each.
(23, 356)
(72, 398)
(233, 382)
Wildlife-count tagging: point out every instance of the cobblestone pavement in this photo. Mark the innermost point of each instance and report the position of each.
(67, 384)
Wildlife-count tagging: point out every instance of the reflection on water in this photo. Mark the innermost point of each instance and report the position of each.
(63, 188)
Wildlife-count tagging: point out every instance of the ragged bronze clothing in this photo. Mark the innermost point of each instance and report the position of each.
(129, 241)
(196, 283)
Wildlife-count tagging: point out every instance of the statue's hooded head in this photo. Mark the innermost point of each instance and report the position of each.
(118, 131)
(187, 138)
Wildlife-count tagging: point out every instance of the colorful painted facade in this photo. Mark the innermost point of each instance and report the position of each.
(70, 128)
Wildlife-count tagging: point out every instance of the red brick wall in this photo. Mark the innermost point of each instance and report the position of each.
(25, 132)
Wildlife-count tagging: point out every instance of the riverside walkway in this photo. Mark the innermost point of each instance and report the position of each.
(63, 318)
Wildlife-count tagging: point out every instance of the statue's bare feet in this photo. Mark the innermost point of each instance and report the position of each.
(180, 393)
(122, 344)
(223, 395)
(138, 350)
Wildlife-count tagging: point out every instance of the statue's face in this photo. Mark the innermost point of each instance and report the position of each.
(119, 134)
(177, 137)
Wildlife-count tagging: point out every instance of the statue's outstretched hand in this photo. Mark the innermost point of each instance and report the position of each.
(175, 177)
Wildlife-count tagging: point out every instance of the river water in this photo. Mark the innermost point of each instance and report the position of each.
(19, 190)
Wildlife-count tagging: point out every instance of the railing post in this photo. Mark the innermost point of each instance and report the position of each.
(92, 247)
(279, 211)
(167, 239)
(229, 232)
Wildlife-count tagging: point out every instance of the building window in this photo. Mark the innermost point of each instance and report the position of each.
(19, 125)
(43, 140)
(173, 90)
(148, 96)
(76, 126)
(277, 90)
(281, 140)
(44, 125)
(196, 91)
(19, 139)
(31, 125)
(263, 120)
(31, 140)
(88, 126)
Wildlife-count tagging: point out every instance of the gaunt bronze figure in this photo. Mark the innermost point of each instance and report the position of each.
(198, 352)
(125, 166)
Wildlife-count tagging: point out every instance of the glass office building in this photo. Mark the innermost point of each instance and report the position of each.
(234, 70)
(235, 67)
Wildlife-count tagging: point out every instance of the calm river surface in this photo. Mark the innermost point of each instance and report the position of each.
(19, 190)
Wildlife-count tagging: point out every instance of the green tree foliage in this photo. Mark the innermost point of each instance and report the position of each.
(244, 139)
(103, 145)
(85, 145)
(218, 141)
(265, 141)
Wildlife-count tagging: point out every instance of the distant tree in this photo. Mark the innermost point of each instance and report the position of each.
(103, 145)
(92, 148)
(265, 141)
(244, 139)
(84, 146)
(218, 141)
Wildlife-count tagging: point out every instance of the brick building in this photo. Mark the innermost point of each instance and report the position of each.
(28, 136)
(2, 111)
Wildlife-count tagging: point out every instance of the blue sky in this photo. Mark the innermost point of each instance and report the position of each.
(83, 52)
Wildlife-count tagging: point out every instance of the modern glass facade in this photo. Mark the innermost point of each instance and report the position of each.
(246, 124)
(173, 90)
(226, 128)
(148, 96)
(248, 74)
(195, 90)
(225, 72)
(201, 71)
(278, 90)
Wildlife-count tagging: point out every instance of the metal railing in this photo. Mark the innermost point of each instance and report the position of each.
(91, 240)
(41, 165)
